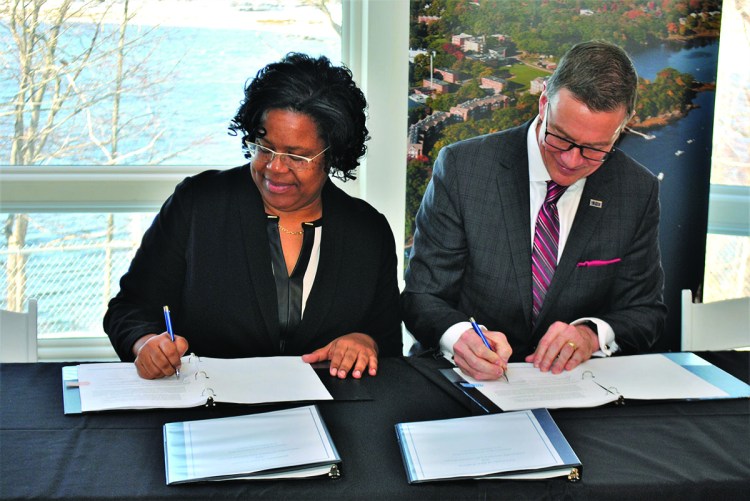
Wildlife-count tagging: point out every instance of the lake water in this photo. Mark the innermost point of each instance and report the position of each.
(211, 77)
(681, 154)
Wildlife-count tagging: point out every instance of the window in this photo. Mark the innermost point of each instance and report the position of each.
(194, 68)
(727, 272)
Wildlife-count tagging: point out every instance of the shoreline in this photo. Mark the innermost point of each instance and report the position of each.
(301, 20)
(671, 116)
(661, 120)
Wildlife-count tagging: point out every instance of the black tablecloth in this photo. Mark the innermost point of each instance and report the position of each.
(677, 450)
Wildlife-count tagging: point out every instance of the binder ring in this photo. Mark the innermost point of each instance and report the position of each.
(201, 372)
(574, 475)
(587, 375)
(335, 472)
(210, 402)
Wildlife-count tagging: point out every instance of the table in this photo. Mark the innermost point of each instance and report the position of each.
(666, 450)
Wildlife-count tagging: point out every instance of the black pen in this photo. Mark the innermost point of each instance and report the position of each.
(168, 321)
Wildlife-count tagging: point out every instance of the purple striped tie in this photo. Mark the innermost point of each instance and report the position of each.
(544, 252)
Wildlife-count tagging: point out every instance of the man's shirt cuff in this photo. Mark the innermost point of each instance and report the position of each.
(449, 338)
(607, 343)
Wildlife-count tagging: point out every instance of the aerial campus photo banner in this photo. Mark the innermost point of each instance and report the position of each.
(477, 67)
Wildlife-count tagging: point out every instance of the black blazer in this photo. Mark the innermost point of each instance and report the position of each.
(207, 256)
(472, 249)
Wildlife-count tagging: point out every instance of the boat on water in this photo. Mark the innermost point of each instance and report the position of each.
(644, 135)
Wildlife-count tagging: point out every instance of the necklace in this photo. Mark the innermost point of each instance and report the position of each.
(290, 232)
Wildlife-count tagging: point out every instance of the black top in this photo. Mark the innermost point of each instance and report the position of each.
(290, 287)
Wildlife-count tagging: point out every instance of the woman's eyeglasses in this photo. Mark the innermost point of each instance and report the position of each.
(288, 160)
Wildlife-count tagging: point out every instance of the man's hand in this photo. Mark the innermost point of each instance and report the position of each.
(476, 360)
(355, 352)
(564, 347)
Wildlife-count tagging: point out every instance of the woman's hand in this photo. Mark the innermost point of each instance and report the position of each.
(157, 356)
(355, 352)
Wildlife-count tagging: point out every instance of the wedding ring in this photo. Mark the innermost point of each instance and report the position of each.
(572, 345)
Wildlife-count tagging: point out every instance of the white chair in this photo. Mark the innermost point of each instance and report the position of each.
(18, 334)
(721, 325)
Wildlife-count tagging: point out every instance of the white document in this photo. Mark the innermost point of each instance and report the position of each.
(595, 382)
(513, 444)
(118, 386)
(651, 377)
(109, 386)
(280, 444)
(262, 379)
(529, 388)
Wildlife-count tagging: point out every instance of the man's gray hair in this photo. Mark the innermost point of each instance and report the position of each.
(599, 74)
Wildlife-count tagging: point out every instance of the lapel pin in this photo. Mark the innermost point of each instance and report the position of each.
(595, 203)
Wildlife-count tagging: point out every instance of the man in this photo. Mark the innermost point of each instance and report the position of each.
(557, 271)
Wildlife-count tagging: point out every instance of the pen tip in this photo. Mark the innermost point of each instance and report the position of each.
(166, 308)
(471, 319)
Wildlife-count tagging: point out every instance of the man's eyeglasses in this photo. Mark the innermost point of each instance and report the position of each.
(562, 144)
(288, 160)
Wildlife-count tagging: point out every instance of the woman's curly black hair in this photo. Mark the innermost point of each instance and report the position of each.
(315, 87)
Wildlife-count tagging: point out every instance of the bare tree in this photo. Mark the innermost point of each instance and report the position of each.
(66, 107)
(325, 7)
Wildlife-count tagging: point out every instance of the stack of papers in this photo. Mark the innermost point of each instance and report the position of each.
(202, 380)
(598, 381)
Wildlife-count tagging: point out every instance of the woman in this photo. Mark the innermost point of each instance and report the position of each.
(270, 258)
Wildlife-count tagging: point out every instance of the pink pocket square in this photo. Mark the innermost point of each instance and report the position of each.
(597, 262)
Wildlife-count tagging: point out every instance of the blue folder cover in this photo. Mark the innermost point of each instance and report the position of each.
(71, 393)
(709, 372)
(555, 436)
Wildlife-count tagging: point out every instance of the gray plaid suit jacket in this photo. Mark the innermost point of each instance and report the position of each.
(472, 252)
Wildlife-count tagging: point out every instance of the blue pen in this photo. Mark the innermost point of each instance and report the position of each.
(486, 343)
(479, 331)
(168, 321)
